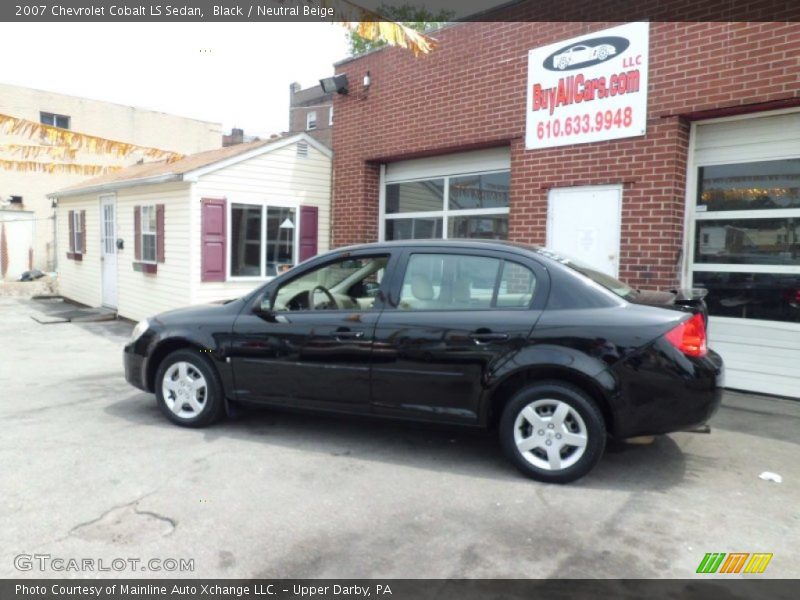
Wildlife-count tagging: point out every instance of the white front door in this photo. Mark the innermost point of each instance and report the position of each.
(108, 249)
(584, 223)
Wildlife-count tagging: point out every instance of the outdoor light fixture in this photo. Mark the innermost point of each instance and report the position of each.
(367, 80)
(337, 83)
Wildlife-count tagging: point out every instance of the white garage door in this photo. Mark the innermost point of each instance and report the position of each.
(744, 246)
(461, 195)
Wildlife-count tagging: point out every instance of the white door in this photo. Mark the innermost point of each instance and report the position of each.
(108, 249)
(17, 226)
(584, 223)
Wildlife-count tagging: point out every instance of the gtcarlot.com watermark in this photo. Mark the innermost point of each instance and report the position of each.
(47, 562)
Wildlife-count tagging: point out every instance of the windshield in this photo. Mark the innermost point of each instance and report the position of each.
(607, 281)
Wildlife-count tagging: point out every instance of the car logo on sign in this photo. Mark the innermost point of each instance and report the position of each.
(585, 53)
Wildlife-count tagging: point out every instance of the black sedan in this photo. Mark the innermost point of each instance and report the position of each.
(553, 354)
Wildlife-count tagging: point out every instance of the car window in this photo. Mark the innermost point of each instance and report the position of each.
(612, 284)
(464, 282)
(517, 285)
(347, 284)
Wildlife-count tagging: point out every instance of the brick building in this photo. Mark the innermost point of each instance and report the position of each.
(706, 193)
(311, 112)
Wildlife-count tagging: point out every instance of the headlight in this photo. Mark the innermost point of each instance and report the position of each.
(140, 328)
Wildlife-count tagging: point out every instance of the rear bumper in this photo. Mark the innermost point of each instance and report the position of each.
(662, 391)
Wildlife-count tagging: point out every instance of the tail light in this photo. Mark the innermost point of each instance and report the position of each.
(690, 336)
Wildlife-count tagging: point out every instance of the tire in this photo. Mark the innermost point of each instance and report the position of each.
(602, 54)
(188, 389)
(538, 422)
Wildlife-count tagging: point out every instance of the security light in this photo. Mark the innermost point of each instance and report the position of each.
(337, 83)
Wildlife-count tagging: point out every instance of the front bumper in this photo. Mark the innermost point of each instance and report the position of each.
(135, 367)
(663, 390)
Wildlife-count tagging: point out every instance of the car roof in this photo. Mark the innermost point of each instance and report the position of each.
(501, 245)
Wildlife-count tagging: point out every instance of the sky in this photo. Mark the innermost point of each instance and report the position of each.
(234, 73)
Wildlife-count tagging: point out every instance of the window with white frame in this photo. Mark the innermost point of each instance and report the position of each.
(262, 239)
(149, 233)
(77, 231)
(747, 239)
(473, 205)
(311, 119)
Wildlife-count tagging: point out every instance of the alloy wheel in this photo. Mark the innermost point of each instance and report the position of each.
(550, 434)
(185, 390)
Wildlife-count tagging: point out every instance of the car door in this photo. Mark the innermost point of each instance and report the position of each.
(307, 340)
(452, 317)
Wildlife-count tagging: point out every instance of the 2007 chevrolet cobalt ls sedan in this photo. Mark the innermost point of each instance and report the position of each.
(554, 354)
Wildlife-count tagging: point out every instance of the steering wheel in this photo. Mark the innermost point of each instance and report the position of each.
(324, 290)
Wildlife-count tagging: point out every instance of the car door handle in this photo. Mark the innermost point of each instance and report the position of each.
(348, 335)
(484, 337)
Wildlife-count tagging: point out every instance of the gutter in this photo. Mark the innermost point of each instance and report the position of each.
(116, 185)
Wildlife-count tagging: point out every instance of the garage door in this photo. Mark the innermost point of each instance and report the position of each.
(744, 246)
(462, 195)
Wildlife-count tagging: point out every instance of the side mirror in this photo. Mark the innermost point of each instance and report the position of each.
(263, 309)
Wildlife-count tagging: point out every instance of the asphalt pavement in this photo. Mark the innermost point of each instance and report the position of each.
(91, 470)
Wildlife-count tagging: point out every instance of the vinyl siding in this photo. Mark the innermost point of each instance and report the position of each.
(277, 176)
(142, 294)
(80, 280)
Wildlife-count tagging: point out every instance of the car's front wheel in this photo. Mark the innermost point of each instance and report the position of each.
(188, 389)
(553, 432)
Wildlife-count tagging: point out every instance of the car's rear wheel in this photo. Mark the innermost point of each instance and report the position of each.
(188, 389)
(602, 54)
(553, 431)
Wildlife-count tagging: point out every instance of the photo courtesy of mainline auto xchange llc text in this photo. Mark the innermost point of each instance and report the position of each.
(356, 299)
(211, 590)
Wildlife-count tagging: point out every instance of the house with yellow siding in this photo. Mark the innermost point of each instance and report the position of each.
(210, 226)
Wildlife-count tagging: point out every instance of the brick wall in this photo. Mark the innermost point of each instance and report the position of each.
(471, 93)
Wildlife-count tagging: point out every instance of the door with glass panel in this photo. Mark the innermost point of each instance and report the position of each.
(747, 239)
(108, 249)
(746, 253)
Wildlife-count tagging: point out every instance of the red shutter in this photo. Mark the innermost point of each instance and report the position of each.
(309, 231)
(160, 233)
(71, 232)
(212, 239)
(137, 233)
(83, 232)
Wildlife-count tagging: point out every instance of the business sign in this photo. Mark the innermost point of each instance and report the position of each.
(588, 89)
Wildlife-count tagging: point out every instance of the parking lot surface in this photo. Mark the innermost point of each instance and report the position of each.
(92, 470)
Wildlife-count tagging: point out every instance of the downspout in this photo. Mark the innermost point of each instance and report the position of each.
(55, 235)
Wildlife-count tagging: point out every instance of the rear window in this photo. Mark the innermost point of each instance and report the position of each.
(612, 284)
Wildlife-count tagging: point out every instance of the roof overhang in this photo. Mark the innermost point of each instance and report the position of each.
(194, 175)
(117, 185)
